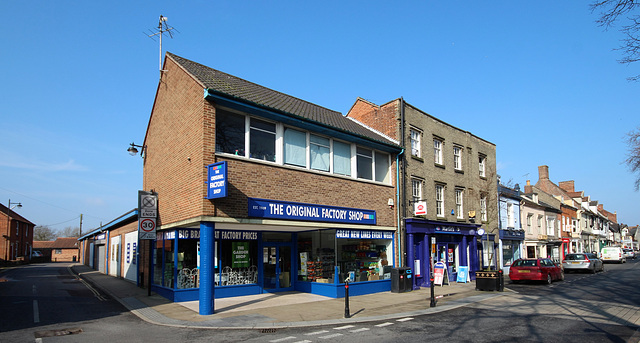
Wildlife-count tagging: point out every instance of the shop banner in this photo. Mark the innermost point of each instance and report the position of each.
(217, 180)
(275, 209)
(364, 234)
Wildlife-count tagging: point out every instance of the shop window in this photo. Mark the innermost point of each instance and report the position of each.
(295, 147)
(188, 271)
(262, 138)
(319, 152)
(163, 262)
(230, 133)
(341, 158)
(237, 262)
(362, 259)
(316, 255)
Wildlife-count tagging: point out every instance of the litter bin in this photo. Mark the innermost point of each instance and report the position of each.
(490, 280)
(401, 280)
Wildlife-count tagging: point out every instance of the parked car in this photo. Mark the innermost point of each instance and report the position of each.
(582, 261)
(536, 269)
(36, 254)
(613, 254)
(629, 253)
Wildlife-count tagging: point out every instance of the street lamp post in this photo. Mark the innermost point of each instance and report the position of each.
(8, 235)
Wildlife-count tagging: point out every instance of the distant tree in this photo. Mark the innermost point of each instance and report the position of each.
(612, 11)
(43, 233)
(69, 232)
(633, 159)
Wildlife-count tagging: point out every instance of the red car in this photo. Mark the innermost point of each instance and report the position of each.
(535, 269)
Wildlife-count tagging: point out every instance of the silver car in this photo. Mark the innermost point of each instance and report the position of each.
(629, 253)
(582, 261)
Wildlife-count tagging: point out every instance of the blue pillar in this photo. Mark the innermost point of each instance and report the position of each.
(207, 250)
(463, 251)
(475, 260)
(410, 259)
(426, 263)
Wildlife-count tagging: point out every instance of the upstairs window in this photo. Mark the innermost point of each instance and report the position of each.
(295, 147)
(319, 152)
(457, 158)
(364, 159)
(437, 151)
(510, 215)
(459, 204)
(382, 167)
(439, 200)
(483, 207)
(341, 158)
(416, 189)
(230, 133)
(481, 165)
(262, 139)
(415, 143)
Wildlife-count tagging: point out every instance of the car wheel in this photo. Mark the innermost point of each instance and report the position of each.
(549, 281)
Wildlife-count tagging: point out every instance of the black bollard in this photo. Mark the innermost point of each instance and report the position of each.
(346, 299)
(433, 294)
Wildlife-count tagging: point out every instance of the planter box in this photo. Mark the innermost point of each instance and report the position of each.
(490, 280)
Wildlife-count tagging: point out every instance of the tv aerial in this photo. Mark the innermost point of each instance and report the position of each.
(163, 28)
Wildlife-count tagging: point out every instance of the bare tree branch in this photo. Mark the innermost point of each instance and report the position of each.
(633, 161)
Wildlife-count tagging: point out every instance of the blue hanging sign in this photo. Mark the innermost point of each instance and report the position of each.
(217, 180)
(275, 209)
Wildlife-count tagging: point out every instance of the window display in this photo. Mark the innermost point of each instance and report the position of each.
(237, 258)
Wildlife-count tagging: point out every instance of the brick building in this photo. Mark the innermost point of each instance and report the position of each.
(451, 175)
(63, 249)
(307, 197)
(16, 243)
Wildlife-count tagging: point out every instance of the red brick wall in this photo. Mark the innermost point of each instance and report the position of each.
(381, 118)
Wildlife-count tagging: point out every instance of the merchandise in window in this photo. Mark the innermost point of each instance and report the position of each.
(362, 259)
(316, 255)
(237, 262)
(188, 271)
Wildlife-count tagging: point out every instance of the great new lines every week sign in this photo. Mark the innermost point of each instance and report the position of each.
(275, 209)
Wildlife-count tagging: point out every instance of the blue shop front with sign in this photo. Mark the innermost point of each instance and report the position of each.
(282, 246)
(453, 244)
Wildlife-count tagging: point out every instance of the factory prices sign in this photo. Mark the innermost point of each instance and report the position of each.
(275, 209)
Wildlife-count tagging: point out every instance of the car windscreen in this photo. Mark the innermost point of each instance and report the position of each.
(576, 257)
(525, 263)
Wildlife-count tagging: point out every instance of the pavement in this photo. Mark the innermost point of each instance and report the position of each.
(280, 310)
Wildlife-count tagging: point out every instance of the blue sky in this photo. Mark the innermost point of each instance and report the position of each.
(538, 78)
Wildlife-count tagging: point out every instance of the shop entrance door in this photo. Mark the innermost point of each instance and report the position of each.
(276, 267)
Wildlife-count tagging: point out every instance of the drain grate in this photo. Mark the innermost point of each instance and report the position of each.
(58, 332)
(268, 331)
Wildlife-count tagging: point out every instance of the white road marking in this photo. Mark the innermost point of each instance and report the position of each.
(305, 341)
(384, 324)
(36, 312)
(360, 330)
(344, 327)
(316, 333)
(405, 319)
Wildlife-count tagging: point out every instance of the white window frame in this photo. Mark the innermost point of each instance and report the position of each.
(437, 151)
(416, 189)
(529, 222)
(459, 203)
(457, 158)
(511, 222)
(481, 165)
(416, 149)
(483, 208)
(440, 201)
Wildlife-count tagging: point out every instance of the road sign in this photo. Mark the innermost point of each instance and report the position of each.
(147, 228)
(148, 205)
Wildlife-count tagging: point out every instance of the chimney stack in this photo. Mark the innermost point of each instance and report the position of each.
(543, 173)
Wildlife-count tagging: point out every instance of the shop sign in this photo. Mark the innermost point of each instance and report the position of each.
(240, 255)
(217, 180)
(364, 234)
(100, 236)
(275, 209)
(236, 235)
(448, 229)
(420, 208)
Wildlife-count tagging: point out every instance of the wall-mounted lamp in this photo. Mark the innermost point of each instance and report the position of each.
(133, 151)
(390, 203)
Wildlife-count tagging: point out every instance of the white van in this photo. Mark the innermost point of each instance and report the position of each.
(613, 254)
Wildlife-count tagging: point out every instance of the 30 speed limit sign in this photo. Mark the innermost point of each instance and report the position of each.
(147, 228)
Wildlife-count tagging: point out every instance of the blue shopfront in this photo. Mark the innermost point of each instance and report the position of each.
(284, 246)
(455, 245)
